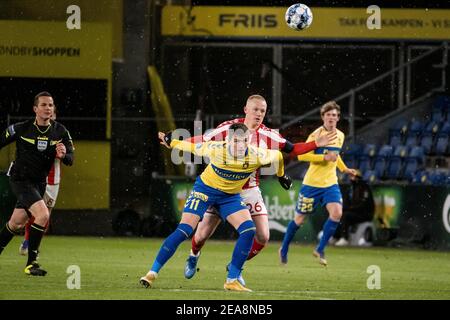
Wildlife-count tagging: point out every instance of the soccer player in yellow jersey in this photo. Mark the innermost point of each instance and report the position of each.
(231, 163)
(320, 184)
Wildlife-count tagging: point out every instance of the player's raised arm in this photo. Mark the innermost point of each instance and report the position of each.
(321, 141)
(198, 149)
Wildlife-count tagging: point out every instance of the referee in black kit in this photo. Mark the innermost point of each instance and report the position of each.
(38, 142)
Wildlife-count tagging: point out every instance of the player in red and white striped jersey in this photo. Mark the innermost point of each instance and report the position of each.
(263, 137)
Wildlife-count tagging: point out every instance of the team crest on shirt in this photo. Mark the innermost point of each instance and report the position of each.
(42, 144)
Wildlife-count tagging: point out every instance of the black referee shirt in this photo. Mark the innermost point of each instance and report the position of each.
(36, 148)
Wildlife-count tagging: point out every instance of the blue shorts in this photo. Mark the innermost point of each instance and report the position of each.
(203, 196)
(309, 197)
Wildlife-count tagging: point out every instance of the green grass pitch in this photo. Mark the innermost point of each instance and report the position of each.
(111, 267)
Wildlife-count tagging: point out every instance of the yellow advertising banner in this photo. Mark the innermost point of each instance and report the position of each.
(328, 23)
(86, 185)
(50, 49)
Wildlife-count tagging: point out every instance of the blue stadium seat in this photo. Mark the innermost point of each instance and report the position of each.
(394, 168)
(385, 151)
(411, 166)
(381, 160)
(370, 176)
(426, 141)
(432, 127)
(445, 128)
(364, 163)
(350, 161)
(353, 149)
(400, 127)
(379, 166)
(415, 126)
(437, 115)
(421, 177)
(438, 178)
(411, 139)
(442, 143)
(418, 153)
(401, 151)
(369, 150)
(395, 140)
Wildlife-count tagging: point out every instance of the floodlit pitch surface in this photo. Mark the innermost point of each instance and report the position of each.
(110, 268)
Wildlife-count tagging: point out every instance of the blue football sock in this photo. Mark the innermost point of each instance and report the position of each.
(288, 236)
(170, 245)
(329, 228)
(242, 248)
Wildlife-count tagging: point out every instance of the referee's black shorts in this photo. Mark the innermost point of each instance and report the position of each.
(27, 192)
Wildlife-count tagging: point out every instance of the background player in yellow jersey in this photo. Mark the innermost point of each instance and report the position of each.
(231, 163)
(320, 184)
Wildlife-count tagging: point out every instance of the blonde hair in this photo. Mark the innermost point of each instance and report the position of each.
(328, 106)
(256, 96)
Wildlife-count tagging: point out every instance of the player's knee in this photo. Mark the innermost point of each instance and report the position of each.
(201, 235)
(336, 215)
(40, 212)
(200, 240)
(185, 230)
(262, 237)
(15, 226)
(299, 218)
(247, 229)
(42, 218)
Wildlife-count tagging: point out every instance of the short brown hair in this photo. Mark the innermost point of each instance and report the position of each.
(41, 94)
(328, 106)
(237, 128)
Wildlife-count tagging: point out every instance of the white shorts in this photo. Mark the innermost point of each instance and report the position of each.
(51, 194)
(252, 198)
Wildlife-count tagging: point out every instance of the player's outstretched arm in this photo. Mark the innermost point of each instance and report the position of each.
(198, 149)
(321, 141)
